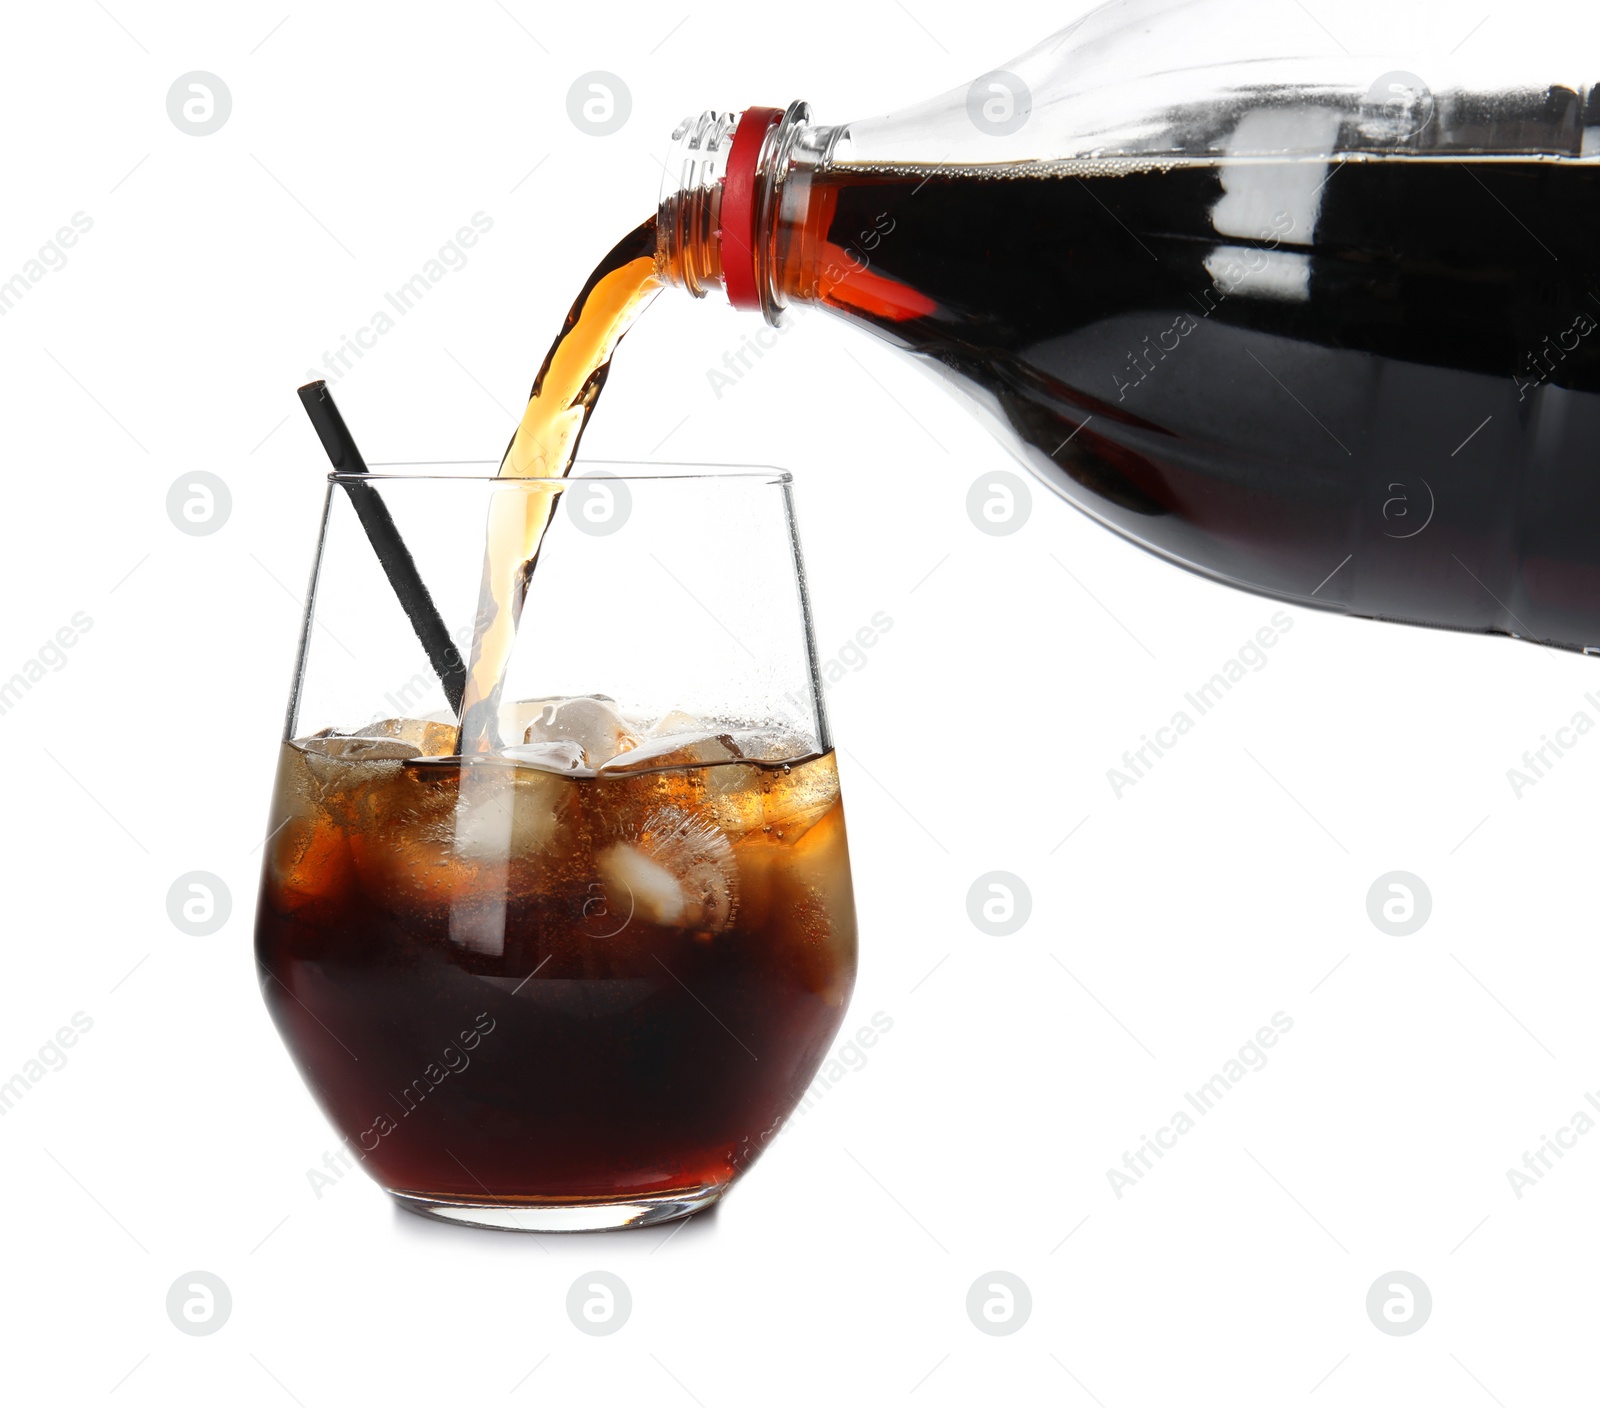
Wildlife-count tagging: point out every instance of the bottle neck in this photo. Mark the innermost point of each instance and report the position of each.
(735, 207)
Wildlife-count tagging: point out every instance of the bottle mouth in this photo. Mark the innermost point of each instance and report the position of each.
(689, 212)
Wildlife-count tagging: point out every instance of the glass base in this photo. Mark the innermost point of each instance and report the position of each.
(577, 1215)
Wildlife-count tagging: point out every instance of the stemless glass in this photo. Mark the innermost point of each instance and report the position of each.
(580, 980)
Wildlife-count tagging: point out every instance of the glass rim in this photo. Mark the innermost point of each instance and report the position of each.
(641, 471)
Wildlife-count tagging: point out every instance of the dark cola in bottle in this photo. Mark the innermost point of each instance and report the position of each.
(1319, 325)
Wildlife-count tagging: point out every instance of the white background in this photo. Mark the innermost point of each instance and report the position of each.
(1227, 886)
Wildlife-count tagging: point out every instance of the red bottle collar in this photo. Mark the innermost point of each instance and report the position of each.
(738, 230)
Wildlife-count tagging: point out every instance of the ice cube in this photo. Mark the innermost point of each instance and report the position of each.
(734, 796)
(678, 871)
(652, 891)
(676, 721)
(819, 870)
(401, 823)
(341, 769)
(485, 807)
(363, 750)
(771, 743)
(435, 739)
(678, 750)
(800, 796)
(589, 721)
(306, 841)
(504, 813)
(561, 755)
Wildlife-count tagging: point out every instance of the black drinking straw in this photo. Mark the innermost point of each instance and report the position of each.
(386, 541)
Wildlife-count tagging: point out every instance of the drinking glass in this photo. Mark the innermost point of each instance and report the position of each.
(578, 980)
